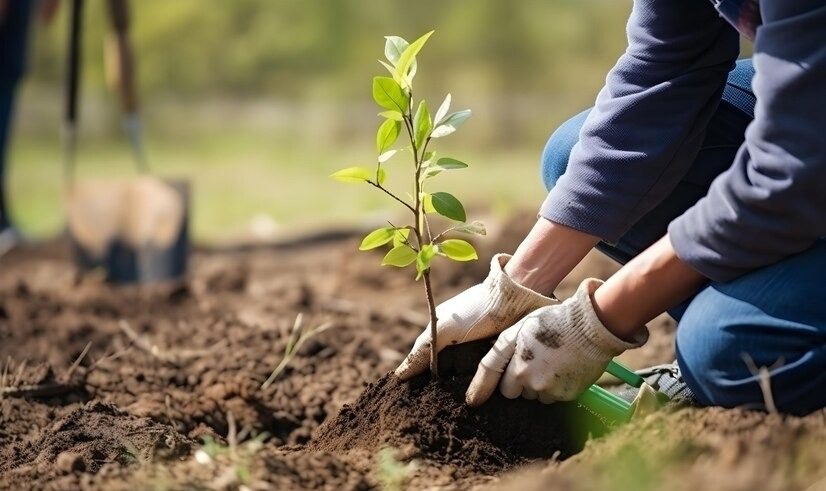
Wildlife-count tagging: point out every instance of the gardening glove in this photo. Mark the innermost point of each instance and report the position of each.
(481, 311)
(553, 354)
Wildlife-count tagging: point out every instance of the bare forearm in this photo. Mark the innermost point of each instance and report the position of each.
(547, 255)
(648, 285)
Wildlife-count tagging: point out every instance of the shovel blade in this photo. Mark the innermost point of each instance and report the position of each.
(135, 230)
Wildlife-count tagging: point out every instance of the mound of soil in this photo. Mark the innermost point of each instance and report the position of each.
(87, 438)
(430, 420)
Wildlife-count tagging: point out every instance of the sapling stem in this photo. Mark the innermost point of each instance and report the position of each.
(395, 94)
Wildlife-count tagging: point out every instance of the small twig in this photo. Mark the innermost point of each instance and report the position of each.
(764, 380)
(68, 375)
(232, 434)
(376, 185)
(37, 390)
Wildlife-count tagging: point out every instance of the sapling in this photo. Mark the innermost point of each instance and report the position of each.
(414, 243)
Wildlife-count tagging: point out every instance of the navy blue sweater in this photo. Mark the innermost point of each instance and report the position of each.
(650, 118)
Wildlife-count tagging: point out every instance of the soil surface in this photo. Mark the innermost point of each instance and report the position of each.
(159, 387)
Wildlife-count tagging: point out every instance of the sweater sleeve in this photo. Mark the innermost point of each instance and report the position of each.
(771, 203)
(649, 120)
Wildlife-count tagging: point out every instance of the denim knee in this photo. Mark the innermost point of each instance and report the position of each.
(719, 335)
(558, 149)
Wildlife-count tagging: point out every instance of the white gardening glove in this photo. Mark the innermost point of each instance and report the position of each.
(479, 312)
(553, 354)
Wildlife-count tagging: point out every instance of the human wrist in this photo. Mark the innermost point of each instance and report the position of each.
(548, 253)
(647, 286)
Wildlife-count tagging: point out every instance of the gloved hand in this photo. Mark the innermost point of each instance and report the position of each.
(481, 311)
(553, 354)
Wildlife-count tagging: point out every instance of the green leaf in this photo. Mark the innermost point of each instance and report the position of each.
(427, 203)
(377, 238)
(352, 174)
(448, 163)
(458, 250)
(408, 57)
(444, 163)
(387, 156)
(381, 175)
(422, 123)
(400, 236)
(387, 134)
(394, 47)
(394, 115)
(450, 124)
(448, 206)
(424, 258)
(442, 111)
(390, 68)
(388, 94)
(399, 256)
(476, 227)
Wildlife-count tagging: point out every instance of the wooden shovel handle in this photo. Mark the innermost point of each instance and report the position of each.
(119, 58)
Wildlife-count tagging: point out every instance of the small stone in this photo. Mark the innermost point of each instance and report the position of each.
(69, 462)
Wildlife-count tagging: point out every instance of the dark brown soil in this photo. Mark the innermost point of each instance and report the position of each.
(431, 418)
(172, 364)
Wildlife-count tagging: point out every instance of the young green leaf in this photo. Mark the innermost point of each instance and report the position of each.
(381, 175)
(444, 163)
(388, 94)
(387, 156)
(399, 256)
(448, 206)
(448, 163)
(352, 174)
(450, 124)
(390, 68)
(427, 203)
(458, 250)
(408, 57)
(394, 115)
(422, 123)
(394, 47)
(424, 258)
(475, 227)
(400, 236)
(387, 134)
(377, 238)
(442, 111)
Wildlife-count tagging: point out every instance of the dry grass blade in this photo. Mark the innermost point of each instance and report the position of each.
(68, 375)
(297, 338)
(764, 380)
(173, 357)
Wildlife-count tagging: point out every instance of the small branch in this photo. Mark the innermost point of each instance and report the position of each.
(376, 185)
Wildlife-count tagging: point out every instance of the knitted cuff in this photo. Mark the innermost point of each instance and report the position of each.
(588, 332)
(508, 295)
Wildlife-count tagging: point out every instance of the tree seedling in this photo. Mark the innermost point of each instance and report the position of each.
(414, 243)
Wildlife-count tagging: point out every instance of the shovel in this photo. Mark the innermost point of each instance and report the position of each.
(135, 230)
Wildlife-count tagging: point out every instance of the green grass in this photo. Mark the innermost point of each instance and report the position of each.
(239, 176)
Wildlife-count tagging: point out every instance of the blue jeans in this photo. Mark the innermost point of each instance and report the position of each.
(775, 315)
(13, 37)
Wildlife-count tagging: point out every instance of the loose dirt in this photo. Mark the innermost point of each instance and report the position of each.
(172, 366)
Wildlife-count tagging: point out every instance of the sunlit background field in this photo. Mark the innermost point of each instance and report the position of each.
(257, 101)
